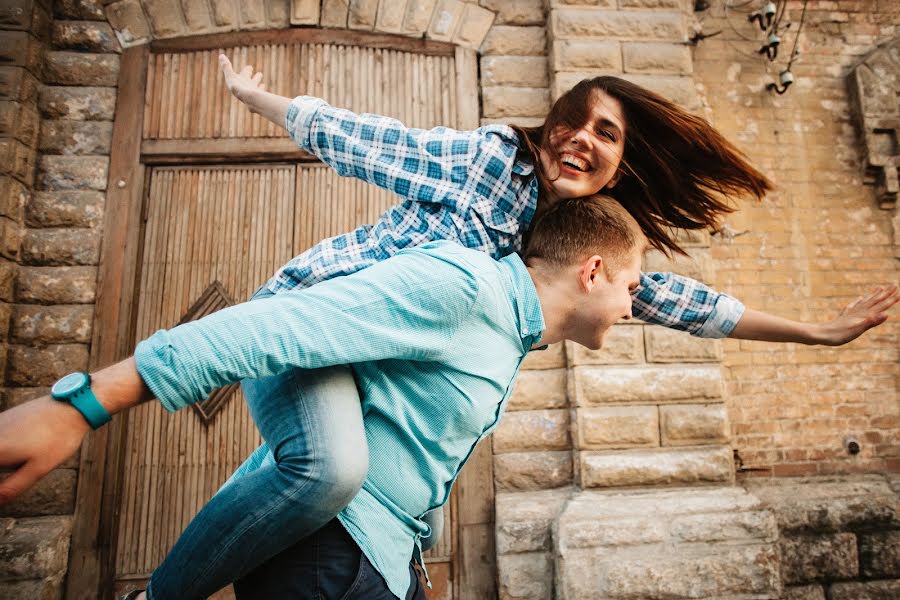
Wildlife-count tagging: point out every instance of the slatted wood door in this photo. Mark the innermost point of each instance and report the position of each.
(215, 230)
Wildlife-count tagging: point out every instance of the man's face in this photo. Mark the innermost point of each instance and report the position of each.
(610, 300)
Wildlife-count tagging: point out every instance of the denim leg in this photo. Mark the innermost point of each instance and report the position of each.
(312, 422)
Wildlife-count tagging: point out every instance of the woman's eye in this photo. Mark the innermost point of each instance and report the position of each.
(608, 134)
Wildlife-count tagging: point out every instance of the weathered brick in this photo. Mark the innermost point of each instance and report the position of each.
(517, 12)
(553, 357)
(225, 14)
(673, 4)
(529, 471)
(624, 344)
(532, 430)
(20, 49)
(304, 12)
(445, 20)
(580, 55)
(279, 14)
(78, 9)
(515, 41)
(362, 14)
(697, 266)
(198, 19)
(806, 559)
(644, 57)
(34, 548)
(16, 396)
(655, 467)
(13, 196)
(68, 208)
(18, 84)
(594, 386)
(44, 589)
(871, 590)
(17, 160)
(78, 103)
(85, 36)
(11, 234)
(535, 390)
(334, 13)
(879, 554)
(5, 318)
(804, 592)
(521, 71)
(474, 25)
(679, 89)
(165, 17)
(17, 14)
(52, 324)
(690, 424)
(415, 19)
(508, 101)
(56, 285)
(42, 247)
(76, 68)
(54, 494)
(669, 345)
(19, 121)
(128, 20)
(76, 137)
(8, 272)
(527, 576)
(72, 172)
(616, 427)
(29, 366)
(620, 24)
(524, 519)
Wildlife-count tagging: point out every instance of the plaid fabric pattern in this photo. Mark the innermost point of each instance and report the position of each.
(471, 187)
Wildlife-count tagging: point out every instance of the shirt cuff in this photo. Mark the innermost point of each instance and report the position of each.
(155, 363)
(723, 318)
(299, 117)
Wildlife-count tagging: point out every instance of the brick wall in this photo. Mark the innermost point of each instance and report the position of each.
(807, 249)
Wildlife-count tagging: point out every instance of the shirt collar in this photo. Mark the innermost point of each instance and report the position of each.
(528, 306)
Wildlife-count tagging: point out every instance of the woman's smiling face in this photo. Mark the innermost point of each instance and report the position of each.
(589, 155)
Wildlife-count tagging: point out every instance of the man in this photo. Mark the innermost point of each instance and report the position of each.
(435, 335)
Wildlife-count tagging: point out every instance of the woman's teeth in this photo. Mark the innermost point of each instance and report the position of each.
(575, 162)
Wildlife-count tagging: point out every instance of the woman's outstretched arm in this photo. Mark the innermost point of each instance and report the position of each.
(248, 87)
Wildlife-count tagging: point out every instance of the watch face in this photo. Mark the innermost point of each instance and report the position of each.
(69, 384)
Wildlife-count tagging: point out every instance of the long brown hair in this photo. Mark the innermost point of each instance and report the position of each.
(677, 170)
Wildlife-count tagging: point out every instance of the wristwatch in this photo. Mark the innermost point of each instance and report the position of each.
(75, 388)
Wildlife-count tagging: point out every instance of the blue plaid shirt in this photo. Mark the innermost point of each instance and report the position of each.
(472, 187)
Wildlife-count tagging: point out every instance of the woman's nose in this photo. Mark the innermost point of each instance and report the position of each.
(581, 137)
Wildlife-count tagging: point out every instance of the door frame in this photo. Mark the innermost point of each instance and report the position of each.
(92, 551)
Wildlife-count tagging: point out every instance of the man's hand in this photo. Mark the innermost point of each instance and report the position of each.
(859, 316)
(35, 438)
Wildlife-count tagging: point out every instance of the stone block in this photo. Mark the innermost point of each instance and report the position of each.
(532, 430)
(445, 19)
(879, 554)
(571, 55)
(29, 366)
(334, 13)
(52, 324)
(17, 14)
(34, 548)
(361, 14)
(554, 357)
(655, 467)
(76, 137)
(20, 49)
(43, 247)
(13, 196)
(517, 12)
(530, 471)
(129, 22)
(474, 25)
(54, 494)
(5, 318)
(697, 266)
(72, 172)
(515, 41)
(228, 16)
(19, 395)
(671, 4)
(165, 18)
(657, 58)
(871, 590)
(596, 386)
(694, 424)
(56, 285)
(78, 103)
(17, 160)
(669, 346)
(11, 234)
(505, 101)
(526, 576)
(279, 14)
(197, 17)
(537, 390)
(77, 68)
(624, 344)
(305, 12)
(516, 71)
(804, 592)
(415, 19)
(618, 24)
(8, 272)
(18, 84)
(67, 208)
(79, 9)
(44, 589)
(84, 36)
(19, 121)
(616, 427)
(835, 504)
(524, 519)
(810, 558)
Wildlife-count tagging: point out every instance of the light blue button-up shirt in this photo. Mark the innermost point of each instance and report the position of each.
(435, 336)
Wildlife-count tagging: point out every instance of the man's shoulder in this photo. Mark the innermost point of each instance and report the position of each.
(474, 261)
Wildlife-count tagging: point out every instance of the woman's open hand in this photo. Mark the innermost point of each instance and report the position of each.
(242, 84)
(859, 316)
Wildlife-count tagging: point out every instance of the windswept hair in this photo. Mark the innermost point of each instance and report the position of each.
(577, 228)
(677, 170)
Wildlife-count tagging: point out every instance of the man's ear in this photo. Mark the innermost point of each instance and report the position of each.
(591, 270)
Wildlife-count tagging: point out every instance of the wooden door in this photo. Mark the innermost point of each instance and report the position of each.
(213, 231)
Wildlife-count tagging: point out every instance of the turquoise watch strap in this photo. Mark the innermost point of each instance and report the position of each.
(87, 404)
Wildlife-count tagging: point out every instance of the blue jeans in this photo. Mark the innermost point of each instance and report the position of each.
(312, 422)
(327, 565)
